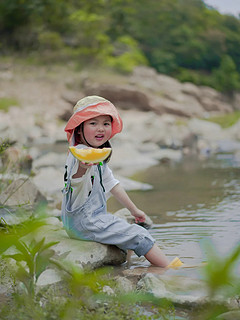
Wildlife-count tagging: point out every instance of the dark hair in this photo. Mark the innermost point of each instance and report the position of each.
(77, 137)
(79, 140)
(106, 145)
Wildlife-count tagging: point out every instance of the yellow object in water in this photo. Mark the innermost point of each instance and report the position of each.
(90, 155)
(175, 263)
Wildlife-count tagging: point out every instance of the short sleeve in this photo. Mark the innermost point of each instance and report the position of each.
(109, 181)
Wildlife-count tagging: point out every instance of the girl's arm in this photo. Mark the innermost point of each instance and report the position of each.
(120, 194)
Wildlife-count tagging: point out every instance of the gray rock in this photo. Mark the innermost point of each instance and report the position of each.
(20, 192)
(234, 131)
(231, 315)
(123, 285)
(206, 129)
(84, 254)
(126, 160)
(130, 184)
(126, 215)
(71, 252)
(180, 290)
(213, 101)
(123, 96)
(51, 159)
(49, 181)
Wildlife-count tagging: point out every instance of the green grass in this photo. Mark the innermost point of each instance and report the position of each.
(227, 120)
(6, 103)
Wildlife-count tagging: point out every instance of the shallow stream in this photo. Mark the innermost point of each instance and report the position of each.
(191, 202)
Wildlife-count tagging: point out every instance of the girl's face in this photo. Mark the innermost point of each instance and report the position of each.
(98, 130)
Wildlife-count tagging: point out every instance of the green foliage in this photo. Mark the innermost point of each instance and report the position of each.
(78, 296)
(164, 62)
(80, 293)
(126, 55)
(226, 77)
(36, 255)
(227, 120)
(32, 256)
(6, 103)
(194, 76)
(50, 40)
(169, 35)
(4, 144)
(220, 273)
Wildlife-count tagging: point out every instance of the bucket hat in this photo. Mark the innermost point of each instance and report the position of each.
(91, 107)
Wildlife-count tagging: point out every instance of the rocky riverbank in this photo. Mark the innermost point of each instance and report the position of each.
(152, 133)
(164, 121)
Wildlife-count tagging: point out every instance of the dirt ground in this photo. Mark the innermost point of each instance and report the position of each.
(40, 89)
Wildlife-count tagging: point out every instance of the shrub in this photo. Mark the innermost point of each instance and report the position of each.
(126, 55)
(6, 103)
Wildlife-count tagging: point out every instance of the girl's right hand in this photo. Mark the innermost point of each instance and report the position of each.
(85, 165)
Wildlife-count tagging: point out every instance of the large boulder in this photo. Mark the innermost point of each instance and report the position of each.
(123, 96)
(49, 181)
(178, 286)
(84, 254)
(168, 95)
(21, 192)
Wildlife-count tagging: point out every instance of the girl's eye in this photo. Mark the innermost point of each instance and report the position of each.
(107, 123)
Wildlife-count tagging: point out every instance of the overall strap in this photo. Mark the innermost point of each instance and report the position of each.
(100, 176)
(67, 175)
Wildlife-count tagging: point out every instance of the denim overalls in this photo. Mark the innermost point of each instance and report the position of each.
(92, 222)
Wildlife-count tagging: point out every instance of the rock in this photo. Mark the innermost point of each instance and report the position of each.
(108, 290)
(126, 160)
(213, 101)
(122, 96)
(20, 125)
(51, 159)
(66, 115)
(234, 131)
(231, 315)
(70, 252)
(123, 285)
(191, 89)
(71, 97)
(126, 215)
(186, 106)
(236, 101)
(166, 155)
(84, 254)
(48, 277)
(206, 129)
(130, 184)
(156, 83)
(180, 290)
(21, 192)
(228, 146)
(17, 159)
(150, 91)
(50, 182)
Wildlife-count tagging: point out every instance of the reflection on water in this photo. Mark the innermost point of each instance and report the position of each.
(190, 202)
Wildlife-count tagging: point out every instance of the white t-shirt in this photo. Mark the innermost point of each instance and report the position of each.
(81, 187)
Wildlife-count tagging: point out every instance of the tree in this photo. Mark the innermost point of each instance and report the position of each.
(226, 77)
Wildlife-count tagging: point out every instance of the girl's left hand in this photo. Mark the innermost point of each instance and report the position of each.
(139, 216)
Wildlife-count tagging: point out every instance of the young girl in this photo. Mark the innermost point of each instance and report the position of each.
(94, 122)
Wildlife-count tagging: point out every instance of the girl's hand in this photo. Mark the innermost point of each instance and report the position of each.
(86, 165)
(139, 215)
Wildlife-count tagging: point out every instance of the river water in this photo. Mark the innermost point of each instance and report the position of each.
(191, 202)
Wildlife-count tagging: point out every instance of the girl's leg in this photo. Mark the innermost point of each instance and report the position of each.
(157, 257)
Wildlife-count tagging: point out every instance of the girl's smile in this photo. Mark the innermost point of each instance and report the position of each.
(97, 130)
